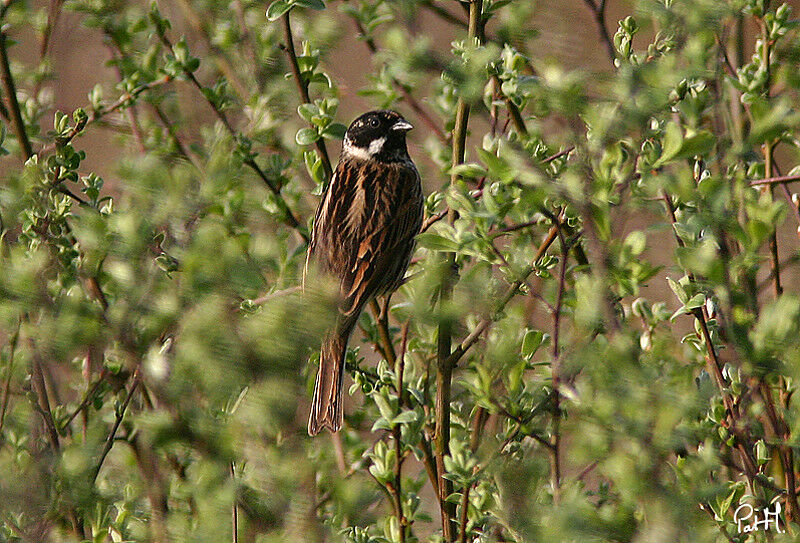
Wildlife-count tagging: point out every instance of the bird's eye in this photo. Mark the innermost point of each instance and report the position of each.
(373, 122)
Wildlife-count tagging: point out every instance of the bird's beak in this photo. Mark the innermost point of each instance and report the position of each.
(403, 125)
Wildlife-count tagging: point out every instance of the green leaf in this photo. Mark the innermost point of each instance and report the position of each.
(306, 136)
(531, 342)
(405, 417)
(313, 4)
(673, 139)
(696, 143)
(435, 242)
(762, 452)
(307, 111)
(470, 170)
(335, 131)
(678, 289)
(383, 406)
(276, 10)
(676, 145)
(637, 241)
(696, 301)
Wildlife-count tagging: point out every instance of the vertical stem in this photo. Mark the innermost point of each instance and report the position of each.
(235, 508)
(444, 367)
(397, 487)
(555, 460)
(302, 86)
(769, 149)
(10, 90)
(785, 453)
(9, 374)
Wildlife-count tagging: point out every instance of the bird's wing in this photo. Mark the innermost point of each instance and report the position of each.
(365, 228)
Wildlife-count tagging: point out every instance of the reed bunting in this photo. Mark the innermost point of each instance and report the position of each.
(363, 236)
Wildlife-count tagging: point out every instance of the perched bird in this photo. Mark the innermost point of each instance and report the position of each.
(363, 236)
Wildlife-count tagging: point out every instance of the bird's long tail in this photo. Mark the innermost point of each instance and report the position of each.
(326, 405)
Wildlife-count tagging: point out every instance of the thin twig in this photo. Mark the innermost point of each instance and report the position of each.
(476, 333)
(599, 12)
(261, 300)
(769, 163)
(397, 487)
(41, 401)
(302, 86)
(88, 398)
(9, 374)
(131, 111)
(382, 321)
(10, 90)
(95, 115)
(234, 509)
(120, 415)
(714, 366)
(781, 179)
(555, 458)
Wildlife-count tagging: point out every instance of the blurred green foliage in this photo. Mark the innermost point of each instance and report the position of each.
(609, 274)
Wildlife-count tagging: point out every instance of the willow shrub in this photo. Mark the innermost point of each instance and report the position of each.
(524, 385)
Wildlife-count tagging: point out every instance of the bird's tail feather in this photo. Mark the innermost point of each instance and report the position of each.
(326, 405)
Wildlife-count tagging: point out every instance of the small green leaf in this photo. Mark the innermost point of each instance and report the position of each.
(276, 9)
(696, 301)
(313, 4)
(697, 143)
(306, 136)
(531, 342)
(435, 242)
(307, 111)
(637, 242)
(335, 131)
(405, 417)
(383, 406)
(673, 139)
(469, 170)
(678, 289)
(762, 452)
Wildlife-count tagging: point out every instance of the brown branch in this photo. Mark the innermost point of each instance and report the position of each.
(302, 86)
(781, 179)
(120, 415)
(769, 163)
(444, 365)
(476, 333)
(382, 322)
(714, 367)
(555, 458)
(599, 12)
(10, 90)
(9, 374)
(97, 114)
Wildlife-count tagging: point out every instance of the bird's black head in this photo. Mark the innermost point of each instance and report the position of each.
(377, 135)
